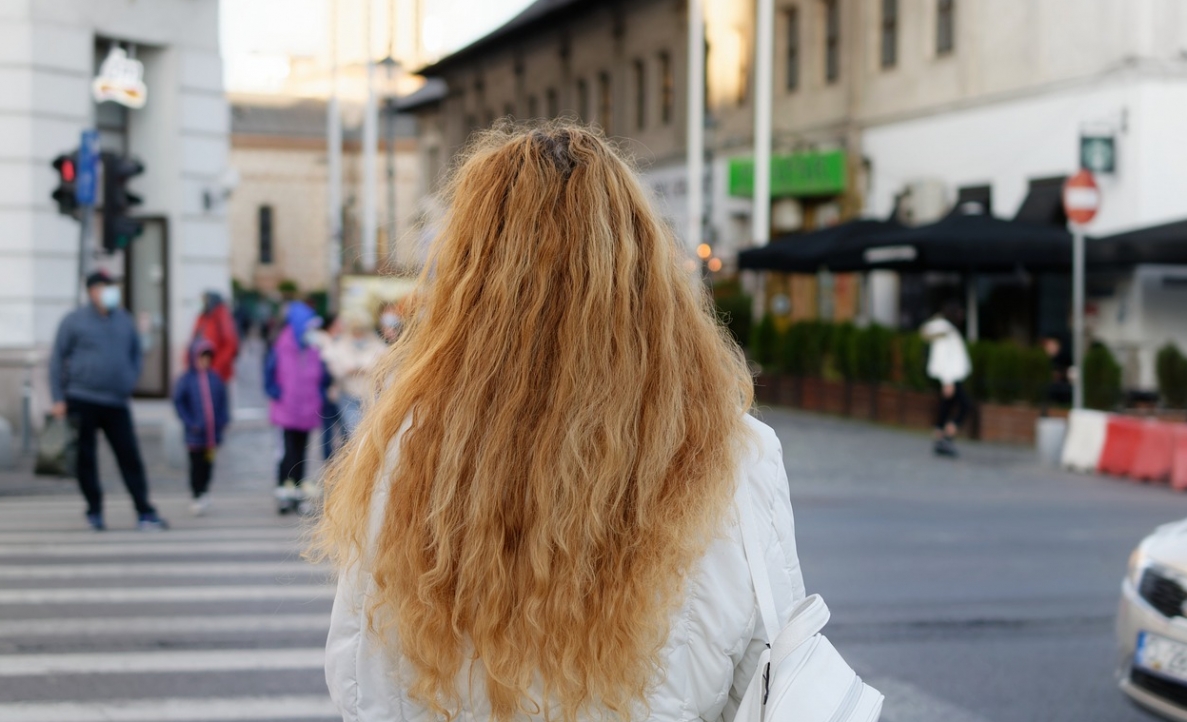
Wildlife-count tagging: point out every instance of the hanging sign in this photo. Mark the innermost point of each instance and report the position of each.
(120, 80)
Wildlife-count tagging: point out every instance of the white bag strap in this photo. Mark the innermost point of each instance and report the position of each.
(807, 618)
(756, 560)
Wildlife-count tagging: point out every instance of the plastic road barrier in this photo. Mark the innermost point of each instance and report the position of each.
(1122, 436)
(1155, 454)
(1085, 439)
(1179, 457)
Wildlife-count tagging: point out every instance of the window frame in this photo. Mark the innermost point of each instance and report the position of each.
(605, 102)
(552, 102)
(265, 234)
(791, 67)
(945, 27)
(640, 72)
(832, 41)
(582, 91)
(888, 34)
(667, 88)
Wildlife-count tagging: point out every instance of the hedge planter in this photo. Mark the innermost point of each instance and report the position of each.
(919, 410)
(834, 397)
(812, 394)
(889, 408)
(861, 401)
(1014, 424)
(789, 390)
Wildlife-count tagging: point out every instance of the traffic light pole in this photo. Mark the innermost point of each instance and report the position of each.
(84, 233)
(1078, 315)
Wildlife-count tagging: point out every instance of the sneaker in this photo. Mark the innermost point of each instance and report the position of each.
(288, 497)
(152, 522)
(946, 447)
(96, 522)
(200, 505)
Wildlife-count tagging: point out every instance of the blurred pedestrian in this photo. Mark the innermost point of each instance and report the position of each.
(391, 322)
(293, 376)
(200, 398)
(217, 327)
(93, 370)
(538, 521)
(948, 362)
(351, 356)
(332, 435)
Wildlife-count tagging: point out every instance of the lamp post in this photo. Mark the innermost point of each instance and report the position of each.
(392, 68)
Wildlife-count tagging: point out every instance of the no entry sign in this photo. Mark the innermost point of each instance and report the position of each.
(1081, 198)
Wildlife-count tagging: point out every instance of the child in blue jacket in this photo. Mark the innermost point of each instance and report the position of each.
(200, 398)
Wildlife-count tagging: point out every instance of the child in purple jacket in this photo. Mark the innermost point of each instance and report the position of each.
(200, 398)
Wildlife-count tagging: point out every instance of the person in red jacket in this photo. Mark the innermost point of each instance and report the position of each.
(216, 326)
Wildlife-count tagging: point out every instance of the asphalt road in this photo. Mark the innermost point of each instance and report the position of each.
(976, 590)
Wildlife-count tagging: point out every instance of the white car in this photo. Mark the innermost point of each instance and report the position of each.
(1151, 623)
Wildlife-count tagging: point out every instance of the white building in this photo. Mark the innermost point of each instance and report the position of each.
(49, 54)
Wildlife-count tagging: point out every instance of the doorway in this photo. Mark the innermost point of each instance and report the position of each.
(146, 275)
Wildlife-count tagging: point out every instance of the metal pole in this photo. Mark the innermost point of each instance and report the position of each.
(391, 180)
(370, 141)
(1078, 316)
(763, 30)
(84, 237)
(334, 165)
(696, 121)
(972, 314)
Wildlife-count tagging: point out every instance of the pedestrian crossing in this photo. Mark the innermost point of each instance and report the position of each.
(217, 619)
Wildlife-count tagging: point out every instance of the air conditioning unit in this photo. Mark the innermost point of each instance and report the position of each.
(923, 201)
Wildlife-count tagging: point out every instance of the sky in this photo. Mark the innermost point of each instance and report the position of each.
(259, 36)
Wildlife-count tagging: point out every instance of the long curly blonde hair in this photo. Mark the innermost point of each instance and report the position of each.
(574, 412)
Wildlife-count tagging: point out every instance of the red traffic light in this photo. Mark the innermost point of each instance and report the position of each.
(67, 171)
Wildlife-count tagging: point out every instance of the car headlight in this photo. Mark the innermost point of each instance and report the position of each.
(1138, 561)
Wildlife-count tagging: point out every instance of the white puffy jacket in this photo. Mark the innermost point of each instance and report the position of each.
(716, 635)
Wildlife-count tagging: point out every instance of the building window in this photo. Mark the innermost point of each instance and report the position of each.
(265, 235)
(640, 95)
(793, 49)
(832, 40)
(945, 27)
(889, 33)
(552, 103)
(667, 106)
(533, 107)
(605, 102)
(582, 99)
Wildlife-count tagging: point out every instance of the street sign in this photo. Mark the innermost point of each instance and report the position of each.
(1098, 153)
(1081, 198)
(88, 168)
(120, 80)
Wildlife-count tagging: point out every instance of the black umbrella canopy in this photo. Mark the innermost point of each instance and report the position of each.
(1166, 243)
(805, 252)
(964, 242)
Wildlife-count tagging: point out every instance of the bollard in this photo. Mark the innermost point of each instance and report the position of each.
(7, 457)
(1049, 436)
(1085, 439)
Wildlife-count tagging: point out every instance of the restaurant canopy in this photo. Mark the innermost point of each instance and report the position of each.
(804, 252)
(1163, 244)
(961, 241)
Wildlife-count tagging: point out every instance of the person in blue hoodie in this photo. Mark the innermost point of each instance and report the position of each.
(200, 398)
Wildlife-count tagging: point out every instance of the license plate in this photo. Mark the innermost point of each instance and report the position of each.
(1162, 656)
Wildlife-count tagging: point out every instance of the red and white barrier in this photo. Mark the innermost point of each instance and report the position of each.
(1139, 449)
(1155, 454)
(1179, 457)
(1085, 439)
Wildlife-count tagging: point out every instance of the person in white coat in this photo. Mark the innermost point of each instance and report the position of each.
(539, 519)
(948, 363)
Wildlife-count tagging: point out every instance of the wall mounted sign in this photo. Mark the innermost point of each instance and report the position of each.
(120, 80)
(1098, 153)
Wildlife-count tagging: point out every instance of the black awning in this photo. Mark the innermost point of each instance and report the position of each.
(805, 252)
(960, 242)
(1043, 204)
(1165, 244)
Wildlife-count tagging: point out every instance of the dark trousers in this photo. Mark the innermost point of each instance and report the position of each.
(116, 424)
(292, 464)
(201, 469)
(331, 424)
(953, 408)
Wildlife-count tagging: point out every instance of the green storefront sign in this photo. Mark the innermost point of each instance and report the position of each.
(817, 173)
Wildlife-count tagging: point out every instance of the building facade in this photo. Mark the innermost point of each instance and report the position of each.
(50, 55)
(880, 107)
(279, 217)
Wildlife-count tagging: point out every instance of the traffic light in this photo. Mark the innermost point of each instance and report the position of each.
(67, 167)
(118, 228)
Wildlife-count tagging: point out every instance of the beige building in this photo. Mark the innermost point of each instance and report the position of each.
(279, 218)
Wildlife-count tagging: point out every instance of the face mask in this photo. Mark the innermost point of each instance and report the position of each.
(110, 297)
(390, 320)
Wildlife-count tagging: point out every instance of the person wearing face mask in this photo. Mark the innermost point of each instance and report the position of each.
(390, 322)
(94, 367)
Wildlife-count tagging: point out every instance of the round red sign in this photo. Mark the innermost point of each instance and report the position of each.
(1081, 198)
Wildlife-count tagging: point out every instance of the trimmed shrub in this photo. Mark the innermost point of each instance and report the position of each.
(912, 356)
(1172, 376)
(804, 349)
(1102, 378)
(843, 351)
(875, 354)
(733, 312)
(764, 340)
